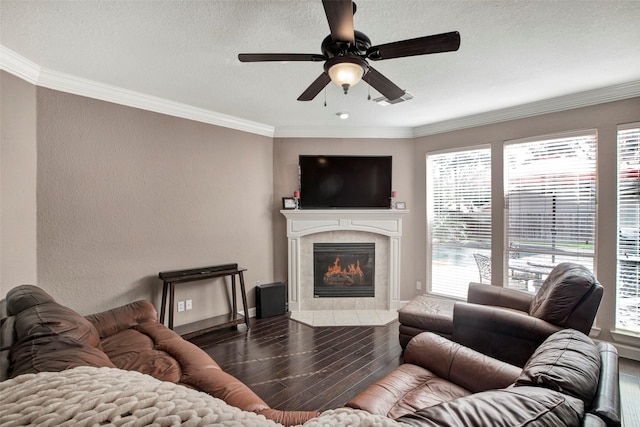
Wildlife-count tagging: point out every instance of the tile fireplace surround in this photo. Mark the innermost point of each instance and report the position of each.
(306, 227)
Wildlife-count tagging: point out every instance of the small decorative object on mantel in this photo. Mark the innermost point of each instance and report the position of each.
(296, 196)
(289, 203)
(401, 205)
(392, 200)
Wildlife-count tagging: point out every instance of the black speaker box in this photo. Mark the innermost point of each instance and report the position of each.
(271, 300)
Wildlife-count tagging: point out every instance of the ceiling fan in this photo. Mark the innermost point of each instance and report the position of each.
(345, 53)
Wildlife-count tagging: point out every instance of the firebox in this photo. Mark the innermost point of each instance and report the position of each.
(343, 270)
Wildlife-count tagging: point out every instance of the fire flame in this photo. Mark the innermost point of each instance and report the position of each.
(351, 269)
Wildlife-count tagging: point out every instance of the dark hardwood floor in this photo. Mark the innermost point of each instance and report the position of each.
(292, 366)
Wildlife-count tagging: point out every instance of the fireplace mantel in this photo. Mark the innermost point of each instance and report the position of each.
(300, 223)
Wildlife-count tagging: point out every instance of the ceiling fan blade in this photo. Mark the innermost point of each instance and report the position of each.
(340, 16)
(382, 84)
(315, 87)
(445, 42)
(280, 57)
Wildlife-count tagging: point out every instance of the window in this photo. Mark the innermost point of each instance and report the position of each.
(628, 260)
(459, 218)
(550, 191)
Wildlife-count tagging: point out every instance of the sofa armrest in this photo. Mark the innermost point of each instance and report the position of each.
(112, 321)
(459, 364)
(201, 372)
(606, 404)
(591, 420)
(499, 296)
(508, 335)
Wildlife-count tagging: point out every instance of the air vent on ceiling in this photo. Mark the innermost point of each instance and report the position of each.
(384, 101)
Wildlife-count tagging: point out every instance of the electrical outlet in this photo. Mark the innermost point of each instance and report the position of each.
(418, 285)
(189, 304)
(180, 306)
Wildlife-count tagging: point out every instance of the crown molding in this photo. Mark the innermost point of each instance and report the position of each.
(31, 72)
(19, 66)
(39, 76)
(562, 103)
(354, 132)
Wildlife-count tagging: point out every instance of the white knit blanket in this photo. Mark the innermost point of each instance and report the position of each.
(87, 396)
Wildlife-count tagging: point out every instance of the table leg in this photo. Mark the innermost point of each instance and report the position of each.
(234, 304)
(244, 299)
(163, 306)
(171, 304)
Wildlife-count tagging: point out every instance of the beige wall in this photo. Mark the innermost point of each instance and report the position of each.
(18, 257)
(604, 118)
(125, 193)
(285, 181)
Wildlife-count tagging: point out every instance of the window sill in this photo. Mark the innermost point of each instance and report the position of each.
(626, 337)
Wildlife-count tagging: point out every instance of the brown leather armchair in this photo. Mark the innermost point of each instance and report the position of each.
(509, 325)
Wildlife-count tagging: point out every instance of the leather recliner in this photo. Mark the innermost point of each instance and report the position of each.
(509, 325)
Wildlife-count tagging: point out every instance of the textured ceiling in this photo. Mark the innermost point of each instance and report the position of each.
(512, 53)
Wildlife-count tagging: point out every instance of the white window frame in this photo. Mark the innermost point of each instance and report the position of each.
(624, 298)
(533, 283)
(429, 225)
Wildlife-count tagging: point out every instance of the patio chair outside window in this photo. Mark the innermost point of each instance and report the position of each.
(484, 267)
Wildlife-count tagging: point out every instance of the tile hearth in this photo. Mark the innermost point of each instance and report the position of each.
(345, 317)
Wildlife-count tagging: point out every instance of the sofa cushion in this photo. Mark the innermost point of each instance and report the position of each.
(134, 351)
(561, 292)
(54, 319)
(54, 353)
(405, 390)
(7, 340)
(428, 314)
(24, 296)
(567, 362)
(513, 406)
(37, 314)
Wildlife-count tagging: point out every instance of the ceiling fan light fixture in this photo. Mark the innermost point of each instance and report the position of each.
(344, 115)
(346, 74)
(346, 71)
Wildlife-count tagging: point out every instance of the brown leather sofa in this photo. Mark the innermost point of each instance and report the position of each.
(568, 381)
(39, 335)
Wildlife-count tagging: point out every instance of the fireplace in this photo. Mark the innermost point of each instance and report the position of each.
(382, 227)
(343, 270)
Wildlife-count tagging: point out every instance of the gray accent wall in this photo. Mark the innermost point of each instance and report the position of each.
(18, 241)
(124, 193)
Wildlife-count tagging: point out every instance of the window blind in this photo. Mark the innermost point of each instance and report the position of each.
(550, 186)
(459, 217)
(628, 260)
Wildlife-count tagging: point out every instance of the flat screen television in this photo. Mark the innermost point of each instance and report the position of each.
(345, 182)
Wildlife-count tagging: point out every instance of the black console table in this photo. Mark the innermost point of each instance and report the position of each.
(172, 278)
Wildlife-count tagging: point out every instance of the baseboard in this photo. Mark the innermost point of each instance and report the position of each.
(252, 312)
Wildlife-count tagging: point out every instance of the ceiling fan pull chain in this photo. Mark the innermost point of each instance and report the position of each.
(369, 93)
(325, 96)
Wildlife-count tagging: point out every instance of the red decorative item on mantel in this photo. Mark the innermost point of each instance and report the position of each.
(296, 194)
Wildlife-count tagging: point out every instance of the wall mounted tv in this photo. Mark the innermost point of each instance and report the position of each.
(345, 182)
